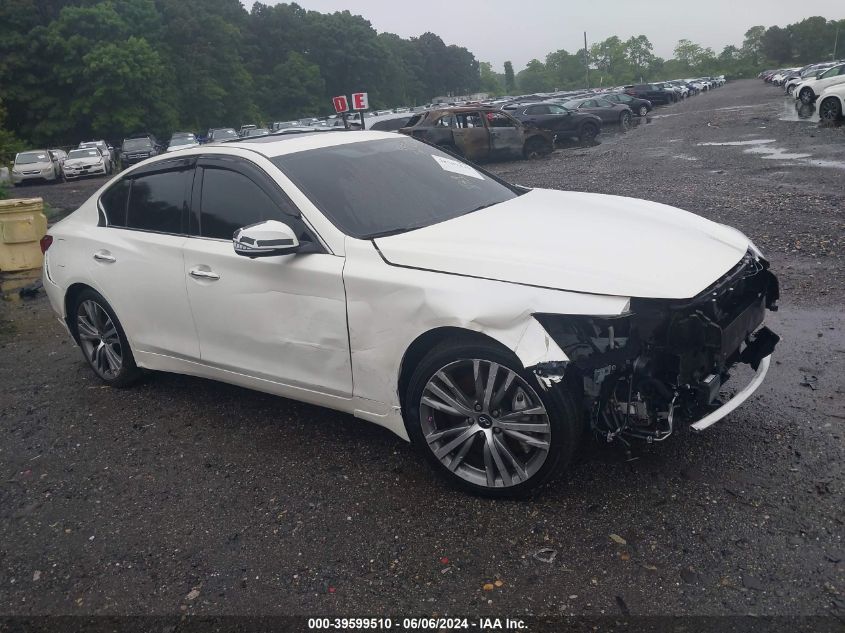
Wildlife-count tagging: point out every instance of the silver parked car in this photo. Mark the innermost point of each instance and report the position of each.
(38, 164)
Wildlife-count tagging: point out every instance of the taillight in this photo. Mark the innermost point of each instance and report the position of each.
(45, 243)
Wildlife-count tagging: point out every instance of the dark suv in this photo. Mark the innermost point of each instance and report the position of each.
(652, 92)
(562, 122)
(138, 148)
(479, 133)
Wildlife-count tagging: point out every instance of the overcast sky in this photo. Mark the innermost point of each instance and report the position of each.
(498, 30)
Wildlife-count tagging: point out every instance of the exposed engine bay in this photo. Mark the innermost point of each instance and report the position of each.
(664, 361)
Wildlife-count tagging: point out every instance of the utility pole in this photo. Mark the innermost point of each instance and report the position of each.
(835, 44)
(586, 63)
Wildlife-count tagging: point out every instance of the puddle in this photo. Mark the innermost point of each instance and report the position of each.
(684, 157)
(775, 153)
(795, 110)
(756, 141)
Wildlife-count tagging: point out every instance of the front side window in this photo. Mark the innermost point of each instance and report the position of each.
(373, 188)
(230, 201)
(157, 201)
(497, 119)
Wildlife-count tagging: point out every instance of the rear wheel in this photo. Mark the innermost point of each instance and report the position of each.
(643, 110)
(625, 119)
(102, 340)
(830, 109)
(485, 423)
(537, 147)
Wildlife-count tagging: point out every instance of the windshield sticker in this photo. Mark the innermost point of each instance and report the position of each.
(456, 167)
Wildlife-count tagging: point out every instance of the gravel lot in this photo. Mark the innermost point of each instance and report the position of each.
(187, 496)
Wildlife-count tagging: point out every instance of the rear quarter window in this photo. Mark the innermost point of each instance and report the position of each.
(113, 202)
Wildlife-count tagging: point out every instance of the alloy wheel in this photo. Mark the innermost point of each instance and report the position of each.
(485, 423)
(643, 110)
(829, 110)
(99, 339)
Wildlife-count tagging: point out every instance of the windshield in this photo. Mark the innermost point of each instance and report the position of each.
(375, 188)
(182, 140)
(136, 143)
(28, 158)
(223, 134)
(84, 153)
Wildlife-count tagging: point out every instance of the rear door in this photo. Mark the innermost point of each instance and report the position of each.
(471, 135)
(136, 257)
(506, 138)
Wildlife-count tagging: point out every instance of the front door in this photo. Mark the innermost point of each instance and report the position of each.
(281, 319)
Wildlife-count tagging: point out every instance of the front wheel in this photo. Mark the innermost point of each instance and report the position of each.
(806, 95)
(830, 109)
(589, 132)
(102, 340)
(537, 147)
(485, 423)
(625, 119)
(643, 110)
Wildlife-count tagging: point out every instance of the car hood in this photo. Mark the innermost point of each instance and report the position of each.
(32, 166)
(575, 241)
(77, 162)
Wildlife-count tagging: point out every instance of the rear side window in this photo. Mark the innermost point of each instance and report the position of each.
(157, 201)
(230, 201)
(114, 202)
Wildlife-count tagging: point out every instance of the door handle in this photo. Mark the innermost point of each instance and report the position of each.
(104, 256)
(199, 273)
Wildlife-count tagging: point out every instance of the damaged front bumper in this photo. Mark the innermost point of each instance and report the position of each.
(639, 373)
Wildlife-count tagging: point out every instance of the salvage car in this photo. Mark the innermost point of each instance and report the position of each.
(561, 121)
(138, 148)
(105, 149)
(88, 161)
(479, 133)
(607, 111)
(809, 89)
(832, 103)
(217, 134)
(368, 272)
(640, 107)
(653, 92)
(38, 164)
(182, 140)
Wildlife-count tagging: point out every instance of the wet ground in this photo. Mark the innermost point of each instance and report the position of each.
(186, 496)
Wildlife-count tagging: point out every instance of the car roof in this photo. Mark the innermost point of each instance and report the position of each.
(272, 145)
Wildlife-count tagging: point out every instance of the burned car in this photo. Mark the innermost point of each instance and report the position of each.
(479, 133)
(371, 273)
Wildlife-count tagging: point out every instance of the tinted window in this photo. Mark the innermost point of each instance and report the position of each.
(157, 201)
(375, 187)
(538, 109)
(230, 201)
(114, 201)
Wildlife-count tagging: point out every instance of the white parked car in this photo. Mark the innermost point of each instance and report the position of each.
(38, 164)
(832, 102)
(105, 149)
(374, 274)
(182, 140)
(809, 89)
(89, 161)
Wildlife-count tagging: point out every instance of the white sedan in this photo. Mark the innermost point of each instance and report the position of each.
(88, 161)
(374, 274)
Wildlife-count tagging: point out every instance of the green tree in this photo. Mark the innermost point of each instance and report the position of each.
(640, 54)
(752, 45)
(534, 77)
(295, 87)
(490, 82)
(776, 45)
(510, 79)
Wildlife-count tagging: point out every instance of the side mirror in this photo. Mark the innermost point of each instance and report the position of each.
(270, 238)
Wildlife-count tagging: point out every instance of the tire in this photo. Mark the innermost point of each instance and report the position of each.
(830, 109)
(588, 133)
(625, 119)
(491, 460)
(806, 95)
(102, 340)
(643, 110)
(791, 90)
(536, 147)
